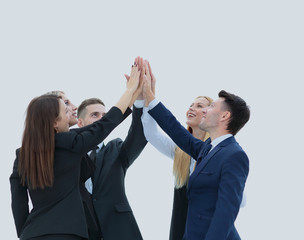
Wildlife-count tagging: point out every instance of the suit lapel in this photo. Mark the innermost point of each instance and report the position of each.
(208, 158)
(201, 166)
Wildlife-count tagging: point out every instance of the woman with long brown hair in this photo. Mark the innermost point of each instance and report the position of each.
(47, 166)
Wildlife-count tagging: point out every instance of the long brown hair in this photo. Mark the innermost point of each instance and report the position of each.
(181, 163)
(38, 143)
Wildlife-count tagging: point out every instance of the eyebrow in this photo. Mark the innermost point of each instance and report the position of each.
(94, 113)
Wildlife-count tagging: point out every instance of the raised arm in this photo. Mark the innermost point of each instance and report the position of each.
(135, 140)
(132, 85)
(160, 141)
(169, 124)
(83, 141)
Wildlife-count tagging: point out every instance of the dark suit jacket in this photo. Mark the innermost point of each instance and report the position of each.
(87, 171)
(215, 187)
(111, 205)
(58, 209)
(179, 214)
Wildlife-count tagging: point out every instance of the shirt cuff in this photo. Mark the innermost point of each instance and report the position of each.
(153, 103)
(139, 103)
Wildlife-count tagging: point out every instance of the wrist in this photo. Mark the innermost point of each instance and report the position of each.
(150, 96)
(129, 91)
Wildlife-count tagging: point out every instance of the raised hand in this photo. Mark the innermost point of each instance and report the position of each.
(153, 80)
(133, 81)
(148, 93)
(140, 63)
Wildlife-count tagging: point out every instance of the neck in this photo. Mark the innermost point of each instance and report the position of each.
(198, 133)
(216, 134)
(218, 131)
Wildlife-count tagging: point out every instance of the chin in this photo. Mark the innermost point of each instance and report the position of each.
(191, 123)
(74, 122)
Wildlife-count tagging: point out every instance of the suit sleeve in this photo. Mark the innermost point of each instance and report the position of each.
(86, 128)
(230, 193)
(81, 142)
(19, 198)
(135, 140)
(176, 131)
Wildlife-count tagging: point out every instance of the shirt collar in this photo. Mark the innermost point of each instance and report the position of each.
(216, 141)
(100, 145)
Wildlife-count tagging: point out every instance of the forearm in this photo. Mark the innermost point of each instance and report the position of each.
(124, 100)
(160, 141)
(95, 133)
(176, 131)
(135, 140)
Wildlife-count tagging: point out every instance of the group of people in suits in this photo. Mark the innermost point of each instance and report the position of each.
(76, 182)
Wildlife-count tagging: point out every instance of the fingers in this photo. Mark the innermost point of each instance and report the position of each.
(139, 62)
(144, 90)
(150, 69)
(147, 72)
(127, 77)
(135, 71)
(153, 82)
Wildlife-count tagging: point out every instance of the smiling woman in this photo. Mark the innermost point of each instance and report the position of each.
(68, 103)
(183, 164)
(48, 166)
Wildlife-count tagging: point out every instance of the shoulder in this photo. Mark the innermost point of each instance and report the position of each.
(18, 151)
(65, 139)
(115, 143)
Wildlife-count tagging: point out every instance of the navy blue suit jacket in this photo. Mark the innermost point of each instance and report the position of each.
(215, 187)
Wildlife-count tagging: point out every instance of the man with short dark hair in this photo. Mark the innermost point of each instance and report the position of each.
(216, 186)
(106, 185)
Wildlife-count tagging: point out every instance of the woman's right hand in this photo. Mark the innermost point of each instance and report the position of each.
(133, 81)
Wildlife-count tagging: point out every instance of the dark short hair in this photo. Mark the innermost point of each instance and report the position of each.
(239, 110)
(81, 111)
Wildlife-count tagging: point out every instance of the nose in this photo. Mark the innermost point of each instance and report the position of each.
(74, 107)
(191, 108)
(204, 110)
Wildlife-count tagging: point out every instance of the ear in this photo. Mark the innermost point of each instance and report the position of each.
(226, 116)
(80, 122)
(56, 126)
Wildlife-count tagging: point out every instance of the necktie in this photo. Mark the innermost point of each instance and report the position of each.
(93, 155)
(89, 182)
(204, 154)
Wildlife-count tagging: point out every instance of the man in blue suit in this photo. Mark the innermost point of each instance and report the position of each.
(216, 186)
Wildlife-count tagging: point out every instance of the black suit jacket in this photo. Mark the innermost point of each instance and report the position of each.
(87, 171)
(110, 202)
(59, 209)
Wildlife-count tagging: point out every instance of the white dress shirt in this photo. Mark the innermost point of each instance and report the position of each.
(159, 139)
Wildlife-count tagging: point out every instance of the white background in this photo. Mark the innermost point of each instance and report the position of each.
(251, 48)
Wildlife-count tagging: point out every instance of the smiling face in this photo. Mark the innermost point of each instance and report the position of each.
(213, 116)
(61, 124)
(93, 113)
(72, 108)
(195, 113)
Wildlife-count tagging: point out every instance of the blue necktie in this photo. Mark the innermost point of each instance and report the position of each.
(206, 150)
